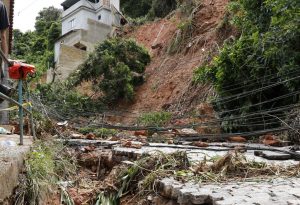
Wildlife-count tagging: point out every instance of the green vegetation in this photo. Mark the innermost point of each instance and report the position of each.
(143, 173)
(267, 52)
(36, 47)
(64, 100)
(148, 8)
(135, 9)
(46, 164)
(154, 119)
(99, 132)
(116, 67)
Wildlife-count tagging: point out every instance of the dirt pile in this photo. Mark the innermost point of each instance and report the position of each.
(169, 77)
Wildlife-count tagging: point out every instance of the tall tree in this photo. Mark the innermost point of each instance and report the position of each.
(45, 19)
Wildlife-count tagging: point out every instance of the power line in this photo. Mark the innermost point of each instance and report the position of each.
(245, 94)
(246, 84)
(28, 6)
(264, 102)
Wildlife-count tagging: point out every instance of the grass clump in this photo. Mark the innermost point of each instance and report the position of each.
(98, 132)
(45, 165)
(154, 118)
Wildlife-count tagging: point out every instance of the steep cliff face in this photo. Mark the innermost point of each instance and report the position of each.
(168, 83)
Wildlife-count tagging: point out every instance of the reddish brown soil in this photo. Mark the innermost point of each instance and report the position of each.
(169, 77)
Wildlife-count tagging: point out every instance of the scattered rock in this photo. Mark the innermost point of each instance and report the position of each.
(205, 109)
(237, 139)
(130, 144)
(168, 136)
(271, 140)
(179, 123)
(76, 136)
(158, 45)
(141, 132)
(188, 131)
(170, 142)
(63, 124)
(91, 136)
(200, 144)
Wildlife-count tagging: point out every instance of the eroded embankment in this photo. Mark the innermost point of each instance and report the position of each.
(169, 76)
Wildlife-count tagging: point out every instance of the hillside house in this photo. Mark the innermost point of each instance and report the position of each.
(84, 24)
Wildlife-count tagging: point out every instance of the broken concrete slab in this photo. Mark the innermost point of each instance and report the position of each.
(194, 155)
(11, 163)
(276, 191)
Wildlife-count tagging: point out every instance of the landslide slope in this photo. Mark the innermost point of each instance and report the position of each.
(168, 83)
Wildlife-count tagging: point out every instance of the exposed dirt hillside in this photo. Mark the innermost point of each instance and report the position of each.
(168, 83)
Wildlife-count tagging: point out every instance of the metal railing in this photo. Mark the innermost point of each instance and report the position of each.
(21, 112)
(19, 104)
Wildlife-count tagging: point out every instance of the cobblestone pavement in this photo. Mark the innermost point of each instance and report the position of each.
(269, 192)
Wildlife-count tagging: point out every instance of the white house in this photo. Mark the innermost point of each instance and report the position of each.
(84, 24)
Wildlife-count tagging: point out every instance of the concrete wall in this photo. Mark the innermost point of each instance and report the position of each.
(97, 32)
(69, 60)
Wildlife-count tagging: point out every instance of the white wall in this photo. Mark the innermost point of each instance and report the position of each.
(106, 16)
(116, 3)
(80, 17)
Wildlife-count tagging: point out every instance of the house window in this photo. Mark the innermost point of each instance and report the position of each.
(99, 17)
(72, 24)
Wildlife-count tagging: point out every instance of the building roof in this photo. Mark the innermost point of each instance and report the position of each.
(68, 3)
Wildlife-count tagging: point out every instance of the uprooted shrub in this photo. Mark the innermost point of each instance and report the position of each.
(60, 99)
(116, 67)
(257, 75)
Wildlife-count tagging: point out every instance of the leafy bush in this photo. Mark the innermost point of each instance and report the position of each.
(114, 66)
(154, 118)
(246, 71)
